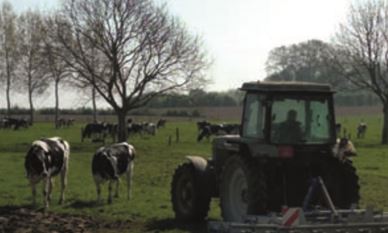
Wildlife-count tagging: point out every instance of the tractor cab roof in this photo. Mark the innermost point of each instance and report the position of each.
(284, 86)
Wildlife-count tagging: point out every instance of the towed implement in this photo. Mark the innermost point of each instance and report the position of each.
(312, 221)
(287, 140)
(295, 220)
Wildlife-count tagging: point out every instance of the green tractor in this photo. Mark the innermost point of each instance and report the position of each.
(287, 137)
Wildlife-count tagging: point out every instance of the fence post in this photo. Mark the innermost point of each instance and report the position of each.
(169, 140)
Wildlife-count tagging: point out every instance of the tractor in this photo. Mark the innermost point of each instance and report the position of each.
(286, 139)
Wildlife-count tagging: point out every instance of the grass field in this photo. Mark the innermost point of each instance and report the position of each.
(150, 209)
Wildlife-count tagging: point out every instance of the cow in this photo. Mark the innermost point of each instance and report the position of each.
(135, 128)
(161, 123)
(98, 130)
(361, 130)
(62, 122)
(207, 129)
(150, 128)
(45, 159)
(202, 124)
(343, 149)
(14, 123)
(109, 163)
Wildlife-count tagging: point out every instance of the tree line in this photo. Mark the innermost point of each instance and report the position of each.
(125, 52)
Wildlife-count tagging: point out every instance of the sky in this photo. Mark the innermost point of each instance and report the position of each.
(238, 35)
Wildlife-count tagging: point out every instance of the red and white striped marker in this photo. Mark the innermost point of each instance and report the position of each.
(291, 216)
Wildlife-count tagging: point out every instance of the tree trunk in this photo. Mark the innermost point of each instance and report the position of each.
(122, 134)
(8, 88)
(384, 135)
(56, 103)
(94, 104)
(30, 100)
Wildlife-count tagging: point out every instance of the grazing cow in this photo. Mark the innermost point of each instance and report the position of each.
(109, 163)
(14, 123)
(149, 128)
(98, 130)
(344, 148)
(161, 123)
(202, 124)
(62, 122)
(207, 129)
(45, 159)
(135, 128)
(361, 130)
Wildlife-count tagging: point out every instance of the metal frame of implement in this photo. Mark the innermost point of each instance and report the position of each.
(302, 220)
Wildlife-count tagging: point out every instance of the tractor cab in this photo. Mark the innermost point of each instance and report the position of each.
(288, 113)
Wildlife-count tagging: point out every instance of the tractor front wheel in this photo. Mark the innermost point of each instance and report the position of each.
(189, 201)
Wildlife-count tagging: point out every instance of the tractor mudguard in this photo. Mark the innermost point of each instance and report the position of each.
(205, 175)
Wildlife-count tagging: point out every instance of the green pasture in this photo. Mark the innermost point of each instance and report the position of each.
(150, 209)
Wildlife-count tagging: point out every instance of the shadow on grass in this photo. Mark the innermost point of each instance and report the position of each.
(160, 225)
(8, 209)
(78, 204)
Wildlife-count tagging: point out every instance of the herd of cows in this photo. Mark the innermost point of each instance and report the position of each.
(49, 157)
(98, 131)
(207, 129)
(13, 123)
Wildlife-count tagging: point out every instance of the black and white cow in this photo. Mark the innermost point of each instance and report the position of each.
(344, 149)
(109, 163)
(206, 129)
(161, 123)
(45, 159)
(97, 130)
(149, 128)
(361, 130)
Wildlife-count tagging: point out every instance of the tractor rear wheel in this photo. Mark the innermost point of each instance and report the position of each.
(342, 183)
(189, 201)
(242, 189)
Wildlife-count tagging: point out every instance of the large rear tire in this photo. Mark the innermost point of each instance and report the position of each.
(189, 201)
(342, 183)
(242, 189)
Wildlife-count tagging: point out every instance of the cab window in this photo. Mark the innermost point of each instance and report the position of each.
(254, 115)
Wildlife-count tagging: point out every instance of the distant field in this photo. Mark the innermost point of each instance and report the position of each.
(150, 209)
(210, 113)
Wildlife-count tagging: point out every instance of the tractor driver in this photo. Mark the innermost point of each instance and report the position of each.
(290, 130)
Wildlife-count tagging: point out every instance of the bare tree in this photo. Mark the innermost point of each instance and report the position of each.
(143, 51)
(8, 48)
(361, 53)
(33, 69)
(58, 69)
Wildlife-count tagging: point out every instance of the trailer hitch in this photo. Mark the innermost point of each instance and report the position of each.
(316, 183)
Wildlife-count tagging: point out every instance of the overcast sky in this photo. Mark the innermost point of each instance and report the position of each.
(239, 34)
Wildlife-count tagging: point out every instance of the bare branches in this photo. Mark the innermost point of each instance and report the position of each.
(362, 46)
(129, 50)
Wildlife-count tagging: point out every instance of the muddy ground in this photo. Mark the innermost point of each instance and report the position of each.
(25, 220)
